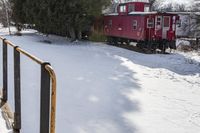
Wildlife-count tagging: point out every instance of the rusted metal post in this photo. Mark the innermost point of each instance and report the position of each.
(45, 100)
(17, 90)
(53, 98)
(5, 71)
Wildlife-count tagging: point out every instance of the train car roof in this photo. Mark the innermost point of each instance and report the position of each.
(142, 13)
(150, 13)
(134, 2)
(112, 14)
(132, 13)
(185, 13)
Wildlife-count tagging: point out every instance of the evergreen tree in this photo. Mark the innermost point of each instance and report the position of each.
(18, 13)
(62, 17)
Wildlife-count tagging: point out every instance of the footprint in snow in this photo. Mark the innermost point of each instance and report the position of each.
(195, 119)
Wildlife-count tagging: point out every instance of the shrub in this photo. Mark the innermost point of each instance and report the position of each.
(97, 37)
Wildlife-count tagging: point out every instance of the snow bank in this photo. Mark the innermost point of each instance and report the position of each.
(3, 128)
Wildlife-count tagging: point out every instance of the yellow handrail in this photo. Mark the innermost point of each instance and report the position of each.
(34, 58)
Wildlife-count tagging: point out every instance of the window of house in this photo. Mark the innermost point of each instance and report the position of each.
(150, 22)
(135, 24)
(122, 8)
(131, 8)
(158, 21)
(166, 21)
(146, 8)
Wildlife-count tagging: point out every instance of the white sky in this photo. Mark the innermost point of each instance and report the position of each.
(166, 1)
(178, 1)
(188, 3)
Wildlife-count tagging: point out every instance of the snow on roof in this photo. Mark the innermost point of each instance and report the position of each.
(197, 13)
(131, 13)
(142, 13)
(127, 1)
(112, 14)
(181, 13)
(185, 13)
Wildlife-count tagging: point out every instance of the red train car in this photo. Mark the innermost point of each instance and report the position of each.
(134, 22)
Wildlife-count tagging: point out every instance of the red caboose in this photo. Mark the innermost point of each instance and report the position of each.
(134, 22)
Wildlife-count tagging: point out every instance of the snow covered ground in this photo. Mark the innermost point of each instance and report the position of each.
(105, 89)
(3, 127)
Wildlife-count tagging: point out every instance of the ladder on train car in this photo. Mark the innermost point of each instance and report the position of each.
(47, 94)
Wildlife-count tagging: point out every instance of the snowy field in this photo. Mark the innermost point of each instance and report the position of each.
(3, 126)
(105, 89)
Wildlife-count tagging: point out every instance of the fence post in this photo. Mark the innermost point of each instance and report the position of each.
(44, 100)
(5, 72)
(17, 91)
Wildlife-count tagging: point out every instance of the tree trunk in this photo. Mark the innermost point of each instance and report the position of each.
(72, 33)
(78, 35)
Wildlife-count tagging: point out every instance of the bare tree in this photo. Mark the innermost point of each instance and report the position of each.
(180, 7)
(151, 2)
(196, 9)
(5, 11)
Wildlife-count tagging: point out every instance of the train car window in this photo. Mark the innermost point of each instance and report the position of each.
(131, 8)
(166, 21)
(158, 21)
(150, 22)
(122, 8)
(146, 8)
(135, 24)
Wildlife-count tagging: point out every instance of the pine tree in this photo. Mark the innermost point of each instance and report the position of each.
(62, 17)
(18, 13)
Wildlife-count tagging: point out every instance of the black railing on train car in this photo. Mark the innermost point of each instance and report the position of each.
(47, 94)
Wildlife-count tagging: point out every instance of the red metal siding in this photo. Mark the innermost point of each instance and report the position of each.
(139, 7)
(122, 26)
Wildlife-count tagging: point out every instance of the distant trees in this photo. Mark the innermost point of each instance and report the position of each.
(196, 5)
(152, 2)
(196, 10)
(18, 12)
(160, 5)
(62, 17)
(5, 12)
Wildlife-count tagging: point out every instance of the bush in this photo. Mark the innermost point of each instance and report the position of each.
(18, 33)
(184, 48)
(97, 37)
